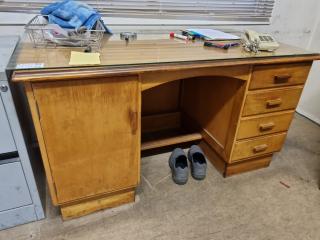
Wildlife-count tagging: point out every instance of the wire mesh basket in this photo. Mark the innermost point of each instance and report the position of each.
(43, 34)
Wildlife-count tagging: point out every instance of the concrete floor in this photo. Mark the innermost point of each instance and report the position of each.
(249, 206)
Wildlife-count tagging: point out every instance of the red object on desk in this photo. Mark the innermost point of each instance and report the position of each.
(174, 35)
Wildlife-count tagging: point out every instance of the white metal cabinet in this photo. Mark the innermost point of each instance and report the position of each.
(14, 189)
(19, 197)
(6, 140)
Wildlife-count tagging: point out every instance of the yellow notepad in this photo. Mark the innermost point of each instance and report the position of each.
(82, 58)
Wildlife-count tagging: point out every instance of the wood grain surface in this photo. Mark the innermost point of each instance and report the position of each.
(148, 53)
(264, 101)
(257, 146)
(91, 130)
(259, 125)
(279, 75)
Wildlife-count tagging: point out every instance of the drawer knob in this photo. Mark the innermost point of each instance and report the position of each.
(282, 78)
(260, 148)
(266, 126)
(274, 102)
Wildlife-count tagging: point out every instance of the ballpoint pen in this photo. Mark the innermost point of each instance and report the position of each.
(221, 45)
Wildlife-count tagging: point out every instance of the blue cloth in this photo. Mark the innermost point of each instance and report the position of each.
(72, 14)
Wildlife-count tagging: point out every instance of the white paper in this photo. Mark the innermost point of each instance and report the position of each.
(29, 65)
(212, 34)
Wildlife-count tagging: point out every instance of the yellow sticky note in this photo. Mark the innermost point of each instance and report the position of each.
(82, 58)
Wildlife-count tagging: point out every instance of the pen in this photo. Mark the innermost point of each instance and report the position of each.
(172, 35)
(221, 45)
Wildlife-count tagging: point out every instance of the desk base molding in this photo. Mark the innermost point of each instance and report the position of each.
(90, 206)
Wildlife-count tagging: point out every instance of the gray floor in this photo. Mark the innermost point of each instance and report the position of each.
(249, 206)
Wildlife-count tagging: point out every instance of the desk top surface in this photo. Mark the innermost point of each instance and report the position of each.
(147, 50)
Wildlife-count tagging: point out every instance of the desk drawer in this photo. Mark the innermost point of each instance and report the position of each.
(265, 124)
(258, 146)
(279, 75)
(14, 191)
(265, 101)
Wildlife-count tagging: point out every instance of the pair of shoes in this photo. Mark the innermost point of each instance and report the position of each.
(179, 164)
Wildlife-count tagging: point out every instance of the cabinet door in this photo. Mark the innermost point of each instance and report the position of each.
(91, 132)
(6, 139)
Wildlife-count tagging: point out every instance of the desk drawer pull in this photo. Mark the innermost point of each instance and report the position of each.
(274, 102)
(266, 126)
(260, 148)
(282, 78)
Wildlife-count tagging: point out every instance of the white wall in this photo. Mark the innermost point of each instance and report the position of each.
(298, 23)
(309, 105)
(294, 22)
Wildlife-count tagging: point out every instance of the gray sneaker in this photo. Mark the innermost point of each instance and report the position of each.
(198, 163)
(179, 166)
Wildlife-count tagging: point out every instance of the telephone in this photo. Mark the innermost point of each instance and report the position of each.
(262, 41)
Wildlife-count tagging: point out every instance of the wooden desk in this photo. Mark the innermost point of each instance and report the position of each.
(93, 122)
